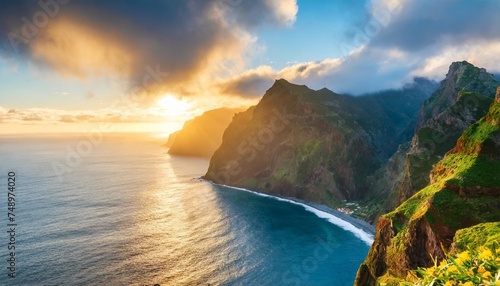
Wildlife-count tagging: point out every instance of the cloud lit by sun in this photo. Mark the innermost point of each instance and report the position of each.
(173, 106)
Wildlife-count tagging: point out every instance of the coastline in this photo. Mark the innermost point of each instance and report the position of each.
(365, 226)
(360, 224)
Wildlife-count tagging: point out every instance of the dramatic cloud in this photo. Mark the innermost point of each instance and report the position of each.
(250, 83)
(422, 38)
(195, 47)
(427, 24)
(176, 46)
(401, 40)
(254, 82)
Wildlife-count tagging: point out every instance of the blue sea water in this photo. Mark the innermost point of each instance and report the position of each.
(123, 212)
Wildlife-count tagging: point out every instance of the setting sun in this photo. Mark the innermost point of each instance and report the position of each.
(174, 106)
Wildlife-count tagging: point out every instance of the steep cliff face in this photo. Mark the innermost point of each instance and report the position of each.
(314, 145)
(298, 143)
(464, 191)
(462, 98)
(460, 76)
(201, 136)
(392, 113)
(497, 96)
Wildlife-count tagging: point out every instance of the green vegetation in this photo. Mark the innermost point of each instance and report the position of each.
(281, 173)
(469, 74)
(366, 210)
(481, 235)
(388, 280)
(434, 141)
(479, 266)
(437, 138)
(414, 205)
(478, 133)
(452, 210)
(469, 171)
(466, 166)
(494, 113)
(461, 205)
(475, 260)
(462, 170)
(310, 149)
(327, 144)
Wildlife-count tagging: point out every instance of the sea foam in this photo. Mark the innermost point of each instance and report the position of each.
(361, 234)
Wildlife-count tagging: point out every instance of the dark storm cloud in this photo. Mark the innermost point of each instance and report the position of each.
(251, 83)
(188, 46)
(430, 23)
(166, 43)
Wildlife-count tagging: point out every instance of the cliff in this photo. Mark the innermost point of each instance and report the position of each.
(461, 76)
(497, 96)
(201, 136)
(462, 98)
(171, 139)
(463, 192)
(315, 145)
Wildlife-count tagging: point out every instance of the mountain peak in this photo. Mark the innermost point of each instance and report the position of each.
(283, 83)
(461, 76)
(497, 96)
(465, 71)
(456, 65)
(283, 90)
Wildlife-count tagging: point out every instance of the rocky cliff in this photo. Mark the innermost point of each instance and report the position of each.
(464, 191)
(461, 76)
(497, 96)
(315, 145)
(201, 136)
(462, 98)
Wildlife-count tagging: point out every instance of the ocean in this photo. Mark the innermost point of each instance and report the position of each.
(116, 209)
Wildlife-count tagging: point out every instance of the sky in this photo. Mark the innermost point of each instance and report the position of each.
(81, 65)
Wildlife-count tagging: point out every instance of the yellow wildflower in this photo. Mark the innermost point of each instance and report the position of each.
(431, 270)
(464, 256)
(450, 283)
(443, 264)
(481, 270)
(453, 269)
(487, 274)
(468, 284)
(486, 254)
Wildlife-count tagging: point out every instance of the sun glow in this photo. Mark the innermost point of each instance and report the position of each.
(173, 106)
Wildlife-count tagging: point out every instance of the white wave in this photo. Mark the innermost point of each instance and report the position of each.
(361, 234)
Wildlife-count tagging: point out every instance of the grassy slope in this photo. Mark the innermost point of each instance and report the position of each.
(462, 99)
(456, 200)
